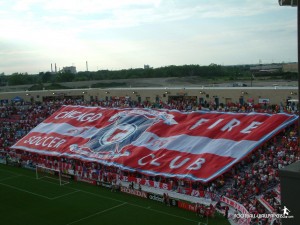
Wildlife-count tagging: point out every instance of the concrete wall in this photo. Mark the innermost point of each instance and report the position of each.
(276, 95)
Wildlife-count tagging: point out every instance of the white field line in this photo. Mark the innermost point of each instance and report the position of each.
(60, 196)
(97, 195)
(97, 213)
(33, 193)
(7, 171)
(113, 199)
(168, 214)
(143, 207)
(30, 192)
(20, 189)
(8, 178)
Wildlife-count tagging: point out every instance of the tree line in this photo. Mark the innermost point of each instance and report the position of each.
(212, 71)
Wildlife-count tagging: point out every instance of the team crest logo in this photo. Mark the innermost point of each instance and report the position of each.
(117, 134)
(125, 128)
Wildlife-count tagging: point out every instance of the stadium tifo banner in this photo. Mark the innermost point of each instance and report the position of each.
(196, 145)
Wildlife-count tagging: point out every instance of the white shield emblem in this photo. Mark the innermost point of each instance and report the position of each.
(117, 134)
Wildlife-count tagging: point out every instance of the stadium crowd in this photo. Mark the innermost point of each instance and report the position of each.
(253, 179)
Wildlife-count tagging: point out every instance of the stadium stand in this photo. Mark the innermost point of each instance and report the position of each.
(251, 186)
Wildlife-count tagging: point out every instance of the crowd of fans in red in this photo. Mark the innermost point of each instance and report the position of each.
(253, 178)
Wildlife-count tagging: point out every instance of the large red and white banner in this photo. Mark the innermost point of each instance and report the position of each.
(196, 145)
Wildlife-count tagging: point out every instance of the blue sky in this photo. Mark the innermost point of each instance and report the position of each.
(122, 34)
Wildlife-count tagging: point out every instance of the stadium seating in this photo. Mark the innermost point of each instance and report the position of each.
(254, 182)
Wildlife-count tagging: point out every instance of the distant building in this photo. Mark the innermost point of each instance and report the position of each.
(146, 67)
(290, 67)
(69, 69)
(270, 68)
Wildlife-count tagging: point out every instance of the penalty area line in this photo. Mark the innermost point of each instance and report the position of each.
(97, 213)
(60, 196)
(113, 199)
(11, 177)
(22, 190)
(165, 213)
(132, 204)
(7, 171)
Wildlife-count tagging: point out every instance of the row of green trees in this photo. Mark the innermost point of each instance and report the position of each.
(213, 71)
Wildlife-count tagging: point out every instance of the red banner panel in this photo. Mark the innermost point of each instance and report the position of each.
(195, 145)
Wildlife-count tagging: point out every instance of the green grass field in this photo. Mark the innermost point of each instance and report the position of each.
(28, 201)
